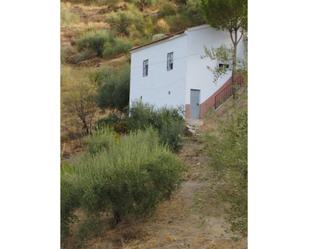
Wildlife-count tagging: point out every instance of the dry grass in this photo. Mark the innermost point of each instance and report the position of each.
(224, 111)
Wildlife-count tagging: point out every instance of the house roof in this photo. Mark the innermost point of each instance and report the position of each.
(159, 40)
(170, 36)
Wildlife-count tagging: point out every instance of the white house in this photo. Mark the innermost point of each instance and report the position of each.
(172, 71)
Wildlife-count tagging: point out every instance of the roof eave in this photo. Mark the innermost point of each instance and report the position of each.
(167, 38)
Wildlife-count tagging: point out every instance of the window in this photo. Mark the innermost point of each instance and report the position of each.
(145, 68)
(170, 61)
(223, 66)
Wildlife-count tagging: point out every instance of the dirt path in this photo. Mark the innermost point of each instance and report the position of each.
(193, 218)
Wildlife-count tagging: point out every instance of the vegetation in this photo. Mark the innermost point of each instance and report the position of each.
(67, 16)
(117, 120)
(70, 197)
(126, 165)
(113, 87)
(103, 43)
(224, 55)
(167, 8)
(79, 101)
(129, 177)
(89, 228)
(228, 15)
(101, 140)
(168, 122)
(226, 147)
(128, 21)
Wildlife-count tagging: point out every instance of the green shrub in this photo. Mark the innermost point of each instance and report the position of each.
(169, 123)
(66, 53)
(178, 22)
(101, 43)
(94, 41)
(131, 22)
(108, 121)
(143, 3)
(92, 226)
(130, 178)
(167, 8)
(70, 199)
(82, 56)
(226, 148)
(115, 120)
(100, 140)
(114, 87)
(171, 134)
(121, 21)
(116, 46)
(230, 148)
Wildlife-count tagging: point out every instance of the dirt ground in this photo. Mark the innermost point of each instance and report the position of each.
(184, 221)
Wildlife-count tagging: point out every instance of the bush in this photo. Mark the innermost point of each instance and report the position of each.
(178, 22)
(167, 8)
(171, 134)
(230, 148)
(162, 26)
(94, 41)
(66, 53)
(100, 140)
(114, 87)
(121, 21)
(131, 23)
(80, 101)
(226, 148)
(115, 120)
(82, 56)
(169, 123)
(143, 3)
(70, 197)
(116, 46)
(109, 121)
(101, 43)
(128, 179)
(92, 226)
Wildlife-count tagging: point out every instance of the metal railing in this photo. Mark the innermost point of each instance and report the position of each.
(227, 92)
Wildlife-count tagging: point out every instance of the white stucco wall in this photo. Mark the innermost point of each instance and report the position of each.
(189, 71)
(198, 75)
(155, 87)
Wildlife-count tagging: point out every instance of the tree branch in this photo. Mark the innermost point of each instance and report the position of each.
(231, 31)
(241, 35)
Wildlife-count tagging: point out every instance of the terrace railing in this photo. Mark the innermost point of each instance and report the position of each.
(227, 91)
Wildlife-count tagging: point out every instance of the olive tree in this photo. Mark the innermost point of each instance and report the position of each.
(80, 100)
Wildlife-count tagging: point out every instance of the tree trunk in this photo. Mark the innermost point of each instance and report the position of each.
(234, 85)
(117, 217)
(85, 125)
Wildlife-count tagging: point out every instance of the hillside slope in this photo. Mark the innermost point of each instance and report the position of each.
(196, 216)
(97, 35)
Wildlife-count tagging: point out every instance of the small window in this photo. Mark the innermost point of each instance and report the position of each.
(145, 68)
(170, 61)
(223, 66)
